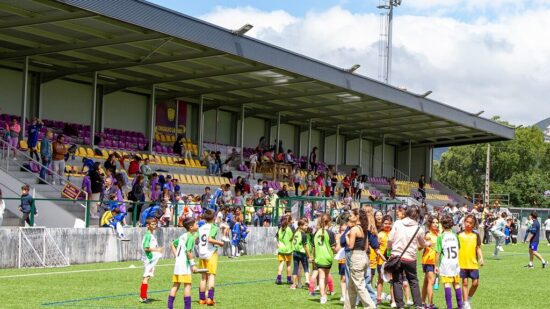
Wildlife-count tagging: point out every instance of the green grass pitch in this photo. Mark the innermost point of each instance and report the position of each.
(247, 282)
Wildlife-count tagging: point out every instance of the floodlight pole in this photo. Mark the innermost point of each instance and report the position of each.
(389, 47)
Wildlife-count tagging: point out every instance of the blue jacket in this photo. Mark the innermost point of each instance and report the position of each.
(33, 134)
(26, 204)
(46, 148)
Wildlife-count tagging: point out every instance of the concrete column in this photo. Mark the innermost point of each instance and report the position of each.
(410, 158)
(361, 152)
(383, 154)
(94, 108)
(177, 119)
(278, 132)
(308, 144)
(23, 122)
(152, 112)
(216, 125)
(242, 134)
(337, 148)
(201, 124)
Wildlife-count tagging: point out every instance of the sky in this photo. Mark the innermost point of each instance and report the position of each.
(476, 55)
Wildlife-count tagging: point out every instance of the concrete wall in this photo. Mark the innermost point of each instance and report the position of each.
(287, 135)
(67, 101)
(254, 128)
(224, 127)
(330, 149)
(389, 153)
(126, 111)
(10, 91)
(315, 142)
(96, 245)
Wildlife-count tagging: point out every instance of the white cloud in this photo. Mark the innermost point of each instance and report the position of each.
(500, 66)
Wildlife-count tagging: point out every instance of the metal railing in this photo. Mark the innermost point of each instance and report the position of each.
(6, 149)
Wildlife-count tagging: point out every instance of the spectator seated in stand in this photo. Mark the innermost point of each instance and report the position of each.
(133, 167)
(113, 218)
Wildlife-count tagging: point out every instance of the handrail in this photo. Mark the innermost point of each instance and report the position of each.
(400, 175)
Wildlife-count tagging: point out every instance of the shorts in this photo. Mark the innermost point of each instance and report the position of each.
(427, 268)
(211, 264)
(323, 266)
(149, 267)
(182, 279)
(284, 257)
(300, 258)
(450, 279)
(342, 269)
(534, 246)
(469, 273)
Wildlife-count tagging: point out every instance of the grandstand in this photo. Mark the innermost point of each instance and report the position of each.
(117, 71)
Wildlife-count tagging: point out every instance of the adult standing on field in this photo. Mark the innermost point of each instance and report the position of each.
(403, 232)
(59, 150)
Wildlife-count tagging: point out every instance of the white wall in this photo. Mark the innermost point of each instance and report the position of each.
(330, 149)
(286, 134)
(10, 91)
(352, 154)
(389, 152)
(224, 127)
(315, 142)
(67, 101)
(253, 130)
(125, 111)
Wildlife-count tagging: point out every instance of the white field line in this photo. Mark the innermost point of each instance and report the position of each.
(109, 269)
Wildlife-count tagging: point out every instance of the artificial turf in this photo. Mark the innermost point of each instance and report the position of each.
(247, 282)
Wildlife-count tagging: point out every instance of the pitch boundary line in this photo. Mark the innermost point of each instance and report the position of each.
(110, 269)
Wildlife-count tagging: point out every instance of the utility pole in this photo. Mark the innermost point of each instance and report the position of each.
(385, 43)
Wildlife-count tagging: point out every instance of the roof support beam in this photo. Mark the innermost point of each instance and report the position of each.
(187, 76)
(80, 45)
(335, 114)
(287, 96)
(257, 85)
(45, 19)
(306, 106)
(125, 65)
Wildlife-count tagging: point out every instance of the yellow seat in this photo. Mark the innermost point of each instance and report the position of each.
(23, 146)
(163, 160)
(198, 164)
(81, 152)
(194, 180)
(90, 153)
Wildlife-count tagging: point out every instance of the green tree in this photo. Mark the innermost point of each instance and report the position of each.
(520, 167)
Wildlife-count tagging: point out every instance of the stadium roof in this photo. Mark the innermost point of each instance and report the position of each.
(135, 44)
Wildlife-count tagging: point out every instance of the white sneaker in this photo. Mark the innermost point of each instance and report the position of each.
(342, 299)
(466, 305)
(393, 305)
(500, 249)
(323, 300)
(409, 303)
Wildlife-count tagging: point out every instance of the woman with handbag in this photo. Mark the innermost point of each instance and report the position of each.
(406, 237)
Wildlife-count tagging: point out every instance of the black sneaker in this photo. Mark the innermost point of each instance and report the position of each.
(531, 266)
(544, 264)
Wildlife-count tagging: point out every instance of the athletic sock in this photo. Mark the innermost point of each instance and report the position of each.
(171, 302)
(458, 293)
(311, 285)
(211, 293)
(330, 284)
(288, 279)
(143, 293)
(202, 295)
(531, 263)
(449, 298)
(278, 278)
(187, 302)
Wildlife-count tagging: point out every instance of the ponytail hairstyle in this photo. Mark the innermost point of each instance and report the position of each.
(284, 225)
(301, 223)
(324, 221)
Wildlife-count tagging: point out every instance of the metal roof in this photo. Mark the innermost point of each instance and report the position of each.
(134, 44)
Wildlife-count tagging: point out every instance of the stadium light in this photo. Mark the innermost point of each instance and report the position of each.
(425, 94)
(242, 30)
(353, 68)
(478, 114)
